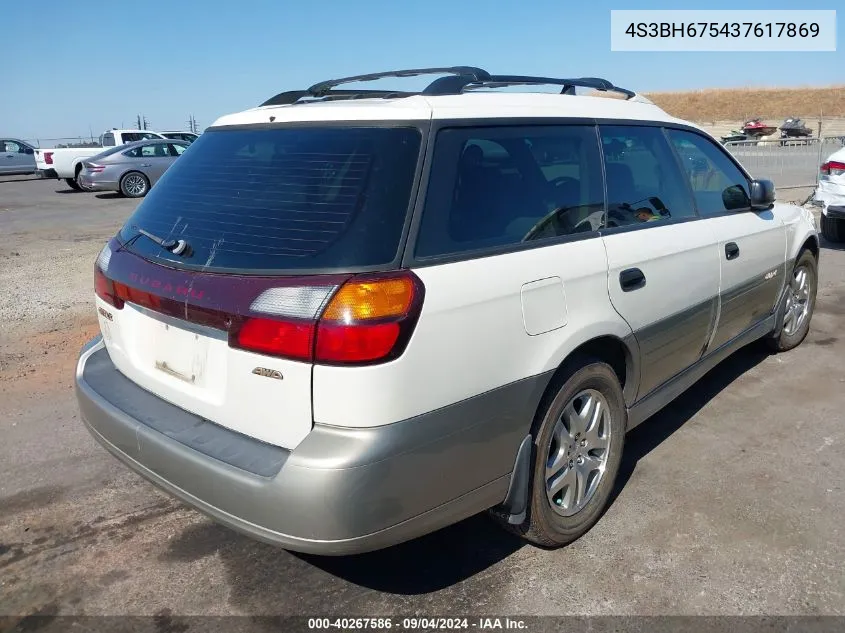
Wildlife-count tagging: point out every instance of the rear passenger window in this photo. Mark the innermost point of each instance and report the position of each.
(644, 183)
(154, 150)
(717, 183)
(500, 186)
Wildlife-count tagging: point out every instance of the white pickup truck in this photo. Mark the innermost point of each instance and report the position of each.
(65, 163)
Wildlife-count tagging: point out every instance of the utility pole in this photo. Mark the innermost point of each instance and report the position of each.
(138, 122)
(192, 123)
(146, 123)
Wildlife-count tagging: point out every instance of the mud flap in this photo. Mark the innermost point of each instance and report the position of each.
(515, 505)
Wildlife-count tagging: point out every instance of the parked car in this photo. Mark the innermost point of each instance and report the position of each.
(831, 193)
(189, 137)
(66, 163)
(339, 326)
(130, 169)
(16, 157)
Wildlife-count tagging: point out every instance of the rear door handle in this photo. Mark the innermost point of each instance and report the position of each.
(631, 279)
(731, 250)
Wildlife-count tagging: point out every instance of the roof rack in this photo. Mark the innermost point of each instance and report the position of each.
(293, 96)
(458, 79)
(568, 85)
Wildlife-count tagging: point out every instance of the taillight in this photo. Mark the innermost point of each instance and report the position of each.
(342, 319)
(48, 158)
(833, 168)
(337, 343)
(105, 288)
(367, 319)
(364, 320)
(292, 339)
(94, 168)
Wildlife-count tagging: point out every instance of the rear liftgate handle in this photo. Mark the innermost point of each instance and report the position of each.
(631, 279)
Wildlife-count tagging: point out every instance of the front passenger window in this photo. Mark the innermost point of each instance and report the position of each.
(644, 183)
(717, 183)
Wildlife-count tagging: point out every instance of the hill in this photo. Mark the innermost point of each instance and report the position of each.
(740, 104)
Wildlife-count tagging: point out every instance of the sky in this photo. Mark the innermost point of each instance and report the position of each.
(71, 68)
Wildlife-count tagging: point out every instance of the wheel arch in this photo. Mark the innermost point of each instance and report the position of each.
(811, 244)
(621, 353)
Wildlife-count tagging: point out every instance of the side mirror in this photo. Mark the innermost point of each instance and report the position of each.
(28, 150)
(762, 194)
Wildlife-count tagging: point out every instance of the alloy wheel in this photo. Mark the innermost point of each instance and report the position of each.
(578, 452)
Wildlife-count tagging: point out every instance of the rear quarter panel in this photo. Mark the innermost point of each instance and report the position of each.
(472, 335)
(800, 226)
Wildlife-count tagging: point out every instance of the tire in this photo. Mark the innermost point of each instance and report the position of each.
(134, 184)
(550, 526)
(833, 229)
(800, 300)
(73, 183)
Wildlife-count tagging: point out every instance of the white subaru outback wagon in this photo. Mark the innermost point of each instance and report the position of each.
(346, 318)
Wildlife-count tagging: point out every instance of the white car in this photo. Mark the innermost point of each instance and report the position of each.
(180, 135)
(65, 163)
(831, 193)
(346, 318)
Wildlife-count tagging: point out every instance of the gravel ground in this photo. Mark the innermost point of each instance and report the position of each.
(48, 244)
(731, 501)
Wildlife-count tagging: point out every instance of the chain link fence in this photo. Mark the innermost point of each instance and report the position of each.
(789, 163)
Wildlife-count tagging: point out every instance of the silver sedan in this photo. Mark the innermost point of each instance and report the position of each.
(130, 169)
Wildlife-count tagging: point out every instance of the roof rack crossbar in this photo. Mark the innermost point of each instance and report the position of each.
(501, 81)
(284, 98)
(478, 74)
(293, 96)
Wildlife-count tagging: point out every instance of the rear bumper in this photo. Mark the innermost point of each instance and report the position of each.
(47, 173)
(340, 491)
(86, 182)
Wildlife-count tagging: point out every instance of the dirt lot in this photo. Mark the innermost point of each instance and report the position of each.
(732, 500)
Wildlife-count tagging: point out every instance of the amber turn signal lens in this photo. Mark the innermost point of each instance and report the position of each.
(366, 300)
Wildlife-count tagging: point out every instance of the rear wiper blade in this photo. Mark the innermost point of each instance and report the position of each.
(177, 247)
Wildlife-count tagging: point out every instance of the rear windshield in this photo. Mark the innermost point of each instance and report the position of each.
(287, 199)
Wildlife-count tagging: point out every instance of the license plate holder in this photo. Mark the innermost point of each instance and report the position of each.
(180, 353)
